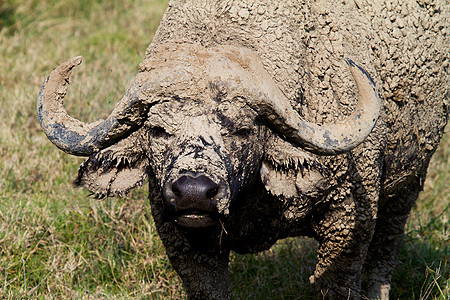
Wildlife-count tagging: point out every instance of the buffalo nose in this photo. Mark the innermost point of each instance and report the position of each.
(194, 193)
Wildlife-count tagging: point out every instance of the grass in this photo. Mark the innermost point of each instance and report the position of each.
(56, 242)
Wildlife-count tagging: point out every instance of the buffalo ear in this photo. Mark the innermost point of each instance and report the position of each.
(114, 170)
(289, 172)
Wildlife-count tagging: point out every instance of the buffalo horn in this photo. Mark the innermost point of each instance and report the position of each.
(328, 139)
(73, 136)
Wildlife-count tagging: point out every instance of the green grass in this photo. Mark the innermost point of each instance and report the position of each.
(56, 242)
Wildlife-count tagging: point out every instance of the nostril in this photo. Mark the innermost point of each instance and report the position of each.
(212, 192)
(176, 191)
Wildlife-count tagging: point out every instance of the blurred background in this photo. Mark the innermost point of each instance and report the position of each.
(57, 242)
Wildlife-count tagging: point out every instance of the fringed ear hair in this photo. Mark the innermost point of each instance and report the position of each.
(290, 172)
(115, 170)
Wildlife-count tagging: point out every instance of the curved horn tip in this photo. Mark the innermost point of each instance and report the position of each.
(76, 60)
(352, 65)
(70, 63)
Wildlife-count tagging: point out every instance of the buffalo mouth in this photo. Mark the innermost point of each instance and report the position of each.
(195, 219)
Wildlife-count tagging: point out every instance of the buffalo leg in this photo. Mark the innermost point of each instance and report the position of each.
(344, 235)
(387, 240)
(204, 275)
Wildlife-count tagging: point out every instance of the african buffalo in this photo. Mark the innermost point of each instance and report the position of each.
(257, 120)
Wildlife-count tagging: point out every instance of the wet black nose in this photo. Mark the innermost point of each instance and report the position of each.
(193, 193)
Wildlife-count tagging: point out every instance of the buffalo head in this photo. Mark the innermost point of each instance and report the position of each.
(204, 123)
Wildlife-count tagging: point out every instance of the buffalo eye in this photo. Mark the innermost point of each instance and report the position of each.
(158, 132)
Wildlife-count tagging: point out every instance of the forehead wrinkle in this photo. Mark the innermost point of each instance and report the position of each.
(174, 114)
(236, 114)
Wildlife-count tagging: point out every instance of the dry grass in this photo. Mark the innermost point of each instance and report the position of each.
(56, 242)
